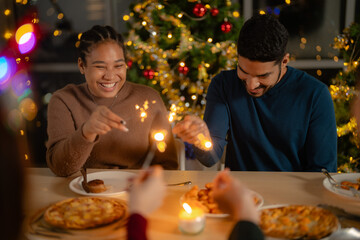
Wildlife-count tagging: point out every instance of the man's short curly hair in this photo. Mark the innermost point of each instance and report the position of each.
(263, 38)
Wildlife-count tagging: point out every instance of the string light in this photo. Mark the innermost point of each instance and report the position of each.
(60, 16)
(126, 17)
(7, 12)
(262, 12)
(7, 35)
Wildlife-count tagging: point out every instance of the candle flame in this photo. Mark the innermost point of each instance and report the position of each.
(187, 208)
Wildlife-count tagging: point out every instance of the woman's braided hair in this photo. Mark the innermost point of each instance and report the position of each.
(96, 35)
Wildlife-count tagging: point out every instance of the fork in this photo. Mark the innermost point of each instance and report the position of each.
(334, 183)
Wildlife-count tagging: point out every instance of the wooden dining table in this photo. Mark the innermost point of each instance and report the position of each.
(44, 188)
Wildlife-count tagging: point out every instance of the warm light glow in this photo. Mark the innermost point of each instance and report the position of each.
(159, 136)
(208, 144)
(336, 59)
(7, 35)
(169, 35)
(7, 12)
(79, 36)
(144, 23)
(26, 157)
(57, 33)
(236, 14)
(180, 15)
(303, 40)
(287, 1)
(161, 146)
(262, 12)
(187, 208)
(193, 97)
(126, 17)
(26, 28)
(143, 114)
(318, 48)
(60, 16)
(129, 43)
(319, 72)
(22, 132)
(28, 109)
(210, 40)
(182, 64)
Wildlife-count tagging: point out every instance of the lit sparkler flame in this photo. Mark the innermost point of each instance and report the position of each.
(159, 137)
(203, 143)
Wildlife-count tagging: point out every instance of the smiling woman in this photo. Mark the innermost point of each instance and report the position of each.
(96, 124)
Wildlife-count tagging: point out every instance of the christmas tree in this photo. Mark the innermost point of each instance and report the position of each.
(343, 91)
(177, 46)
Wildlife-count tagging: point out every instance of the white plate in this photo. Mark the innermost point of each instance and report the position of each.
(351, 177)
(115, 182)
(283, 205)
(223, 215)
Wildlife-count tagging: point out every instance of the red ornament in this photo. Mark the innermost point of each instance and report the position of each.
(129, 64)
(149, 73)
(226, 27)
(214, 12)
(199, 10)
(184, 70)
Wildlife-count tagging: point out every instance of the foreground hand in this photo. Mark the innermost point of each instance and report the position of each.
(189, 129)
(101, 121)
(234, 198)
(147, 191)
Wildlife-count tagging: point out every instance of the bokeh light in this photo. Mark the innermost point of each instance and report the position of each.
(20, 83)
(7, 67)
(27, 43)
(25, 38)
(28, 109)
(3, 67)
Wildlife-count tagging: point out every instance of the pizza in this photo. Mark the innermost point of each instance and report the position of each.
(298, 222)
(85, 212)
(204, 198)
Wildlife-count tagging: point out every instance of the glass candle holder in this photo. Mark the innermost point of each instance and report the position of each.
(191, 219)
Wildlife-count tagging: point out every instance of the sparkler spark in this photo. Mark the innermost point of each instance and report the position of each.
(143, 109)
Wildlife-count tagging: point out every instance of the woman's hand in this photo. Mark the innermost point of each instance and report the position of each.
(101, 121)
(234, 198)
(147, 191)
(189, 129)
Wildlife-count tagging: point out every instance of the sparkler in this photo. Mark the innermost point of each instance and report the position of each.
(202, 142)
(158, 143)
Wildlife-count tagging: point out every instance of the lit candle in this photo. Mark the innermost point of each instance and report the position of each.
(191, 219)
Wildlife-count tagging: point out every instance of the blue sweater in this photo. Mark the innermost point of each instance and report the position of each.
(290, 128)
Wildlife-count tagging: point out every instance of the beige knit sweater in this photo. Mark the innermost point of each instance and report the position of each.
(68, 150)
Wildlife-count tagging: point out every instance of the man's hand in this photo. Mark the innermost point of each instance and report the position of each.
(190, 128)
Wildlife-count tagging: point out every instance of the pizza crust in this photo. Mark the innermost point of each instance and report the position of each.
(85, 212)
(298, 221)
